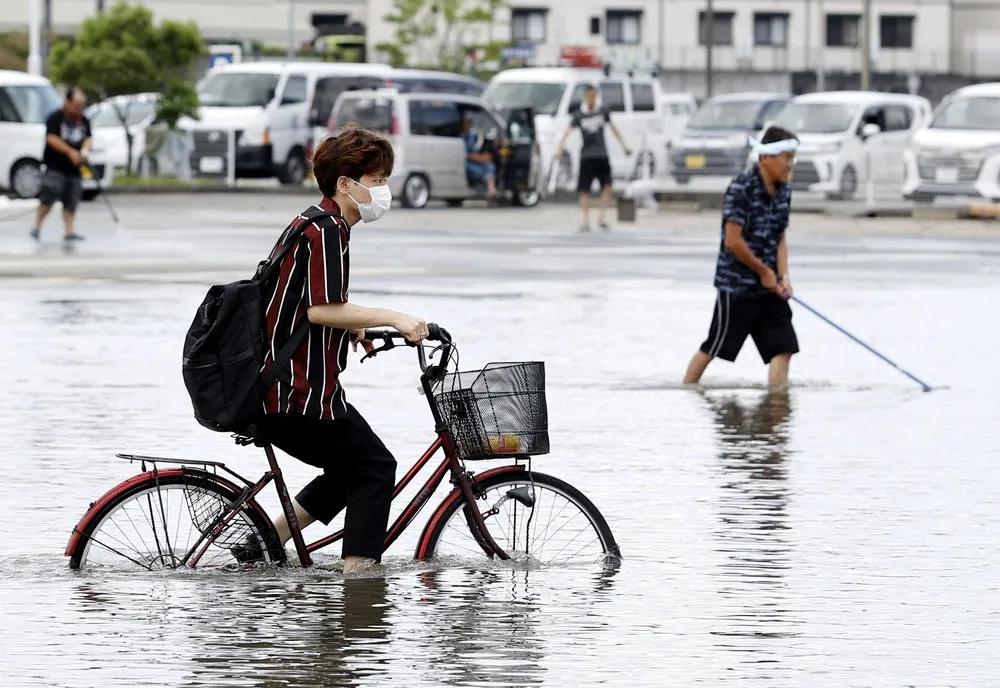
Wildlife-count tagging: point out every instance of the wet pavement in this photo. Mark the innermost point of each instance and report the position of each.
(842, 535)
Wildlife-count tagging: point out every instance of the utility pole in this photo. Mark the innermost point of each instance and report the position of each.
(46, 32)
(866, 47)
(662, 20)
(709, 40)
(291, 29)
(34, 37)
(100, 6)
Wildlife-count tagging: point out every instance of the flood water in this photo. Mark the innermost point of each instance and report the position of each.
(842, 535)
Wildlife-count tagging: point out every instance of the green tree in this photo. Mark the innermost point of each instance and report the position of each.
(443, 27)
(121, 52)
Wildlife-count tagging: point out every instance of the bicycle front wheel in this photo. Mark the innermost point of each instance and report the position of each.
(160, 523)
(535, 518)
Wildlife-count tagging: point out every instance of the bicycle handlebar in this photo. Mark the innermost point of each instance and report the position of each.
(390, 338)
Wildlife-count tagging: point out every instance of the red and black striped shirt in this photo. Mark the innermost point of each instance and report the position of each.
(316, 272)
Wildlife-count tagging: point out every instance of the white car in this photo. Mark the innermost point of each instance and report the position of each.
(25, 103)
(555, 94)
(958, 153)
(849, 137)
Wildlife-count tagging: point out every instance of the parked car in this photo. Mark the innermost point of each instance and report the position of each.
(715, 141)
(426, 134)
(25, 103)
(848, 137)
(958, 153)
(555, 94)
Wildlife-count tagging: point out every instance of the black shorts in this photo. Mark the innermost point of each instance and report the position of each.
(358, 473)
(59, 186)
(591, 169)
(767, 318)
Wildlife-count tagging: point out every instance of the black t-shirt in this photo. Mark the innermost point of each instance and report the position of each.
(591, 125)
(74, 131)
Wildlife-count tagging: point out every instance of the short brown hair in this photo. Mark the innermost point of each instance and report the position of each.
(353, 153)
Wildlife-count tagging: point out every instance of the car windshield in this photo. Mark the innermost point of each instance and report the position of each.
(973, 112)
(238, 89)
(544, 99)
(34, 103)
(373, 113)
(726, 114)
(104, 115)
(816, 118)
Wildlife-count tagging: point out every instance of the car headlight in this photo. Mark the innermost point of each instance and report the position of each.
(254, 137)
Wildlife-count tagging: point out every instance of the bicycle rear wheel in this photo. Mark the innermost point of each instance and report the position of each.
(535, 518)
(157, 523)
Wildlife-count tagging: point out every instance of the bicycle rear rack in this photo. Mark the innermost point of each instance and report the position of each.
(214, 465)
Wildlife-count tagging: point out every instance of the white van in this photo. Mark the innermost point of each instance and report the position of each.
(556, 93)
(958, 154)
(272, 109)
(426, 133)
(25, 103)
(849, 137)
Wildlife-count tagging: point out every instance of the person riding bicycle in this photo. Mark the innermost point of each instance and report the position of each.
(307, 414)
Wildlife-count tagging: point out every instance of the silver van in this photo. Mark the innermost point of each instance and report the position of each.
(427, 138)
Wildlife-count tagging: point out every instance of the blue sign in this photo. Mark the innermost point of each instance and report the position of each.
(519, 52)
(219, 59)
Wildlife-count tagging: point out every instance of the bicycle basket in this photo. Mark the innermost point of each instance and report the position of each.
(497, 411)
(207, 512)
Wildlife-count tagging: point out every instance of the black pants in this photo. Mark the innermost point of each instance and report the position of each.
(767, 318)
(591, 169)
(359, 473)
(59, 186)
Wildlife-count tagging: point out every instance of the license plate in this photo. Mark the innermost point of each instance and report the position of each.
(696, 162)
(946, 175)
(210, 165)
(86, 173)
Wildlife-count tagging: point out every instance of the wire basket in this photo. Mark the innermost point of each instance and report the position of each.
(206, 508)
(496, 412)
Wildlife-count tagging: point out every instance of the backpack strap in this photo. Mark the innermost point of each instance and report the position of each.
(296, 234)
(282, 358)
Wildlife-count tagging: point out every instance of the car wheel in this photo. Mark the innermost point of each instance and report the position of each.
(526, 198)
(416, 191)
(294, 170)
(848, 183)
(26, 179)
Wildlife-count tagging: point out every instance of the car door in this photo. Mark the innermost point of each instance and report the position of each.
(442, 146)
(524, 160)
(899, 119)
(288, 122)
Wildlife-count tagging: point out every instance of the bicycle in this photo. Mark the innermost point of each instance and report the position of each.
(198, 514)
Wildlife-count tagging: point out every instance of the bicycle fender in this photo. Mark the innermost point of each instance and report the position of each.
(453, 496)
(149, 476)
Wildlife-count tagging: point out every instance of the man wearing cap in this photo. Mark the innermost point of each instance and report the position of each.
(751, 274)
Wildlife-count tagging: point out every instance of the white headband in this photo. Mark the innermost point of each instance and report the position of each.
(775, 147)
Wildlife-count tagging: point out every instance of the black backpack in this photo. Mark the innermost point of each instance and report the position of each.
(226, 346)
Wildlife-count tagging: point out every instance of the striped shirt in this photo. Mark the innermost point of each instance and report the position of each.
(764, 219)
(315, 273)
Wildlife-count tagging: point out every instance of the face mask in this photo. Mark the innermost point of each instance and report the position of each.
(380, 204)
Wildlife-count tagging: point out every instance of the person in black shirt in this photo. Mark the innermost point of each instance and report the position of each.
(67, 143)
(751, 273)
(594, 162)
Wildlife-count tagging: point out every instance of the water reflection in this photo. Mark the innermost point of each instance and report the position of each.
(753, 531)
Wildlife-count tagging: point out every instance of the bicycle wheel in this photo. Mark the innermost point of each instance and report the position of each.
(535, 518)
(156, 523)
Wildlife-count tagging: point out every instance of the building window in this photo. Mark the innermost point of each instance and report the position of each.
(624, 27)
(770, 29)
(843, 30)
(595, 26)
(722, 28)
(896, 31)
(527, 26)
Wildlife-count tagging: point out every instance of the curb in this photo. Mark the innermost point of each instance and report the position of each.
(685, 202)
